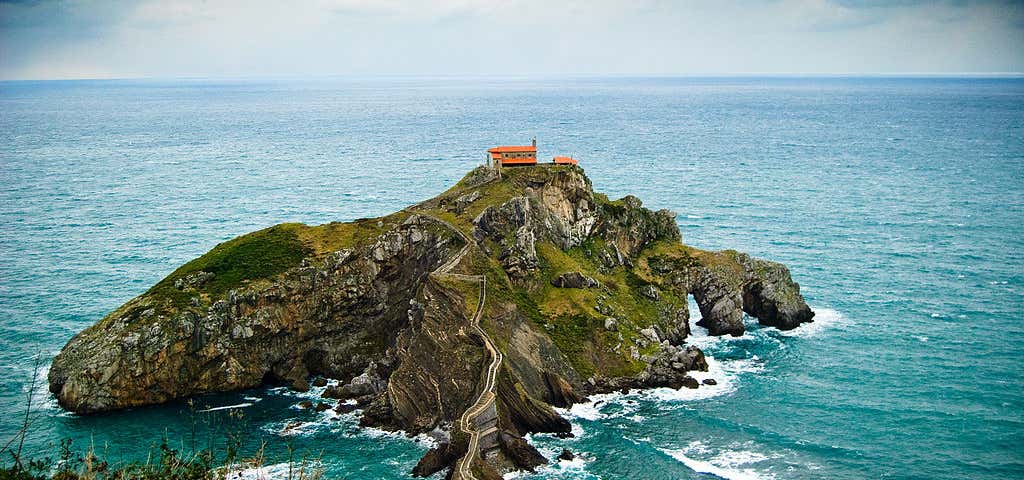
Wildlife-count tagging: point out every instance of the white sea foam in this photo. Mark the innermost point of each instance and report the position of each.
(227, 407)
(594, 410)
(734, 458)
(295, 428)
(700, 338)
(590, 410)
(824, 319)
(313, 392)
(334, 422)
(41, 398)
(575, 468)
(577, 431)
(726, 374)
(424, 439)
(271, 472)
(301, 426)
(730, 464)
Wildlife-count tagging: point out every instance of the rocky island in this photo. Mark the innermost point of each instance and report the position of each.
(470, 315)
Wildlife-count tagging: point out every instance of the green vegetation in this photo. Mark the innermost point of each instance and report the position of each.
(89, 466)
(614, 207)
(169, 464)
(468, 290)
(574, 335)
(258, 255)
(568, 316)
(495, 194)
(334, 236)
(163, 463)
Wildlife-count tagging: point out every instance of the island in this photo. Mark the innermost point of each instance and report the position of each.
(472, 315)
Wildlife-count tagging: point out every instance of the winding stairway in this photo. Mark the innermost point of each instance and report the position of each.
(480, 420)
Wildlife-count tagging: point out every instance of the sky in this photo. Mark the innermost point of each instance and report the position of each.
(59, 39)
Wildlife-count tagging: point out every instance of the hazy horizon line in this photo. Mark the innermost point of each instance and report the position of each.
(537, 76)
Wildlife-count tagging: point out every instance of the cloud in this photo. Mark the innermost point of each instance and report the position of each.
(824, 15)
(73, 38)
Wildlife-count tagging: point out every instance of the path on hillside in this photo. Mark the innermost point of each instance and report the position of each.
(468, 421)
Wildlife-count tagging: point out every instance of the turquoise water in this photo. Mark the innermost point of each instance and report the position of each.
(898, 204)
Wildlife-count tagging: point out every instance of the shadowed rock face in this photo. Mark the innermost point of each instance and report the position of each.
(771, 295)
(584, 295)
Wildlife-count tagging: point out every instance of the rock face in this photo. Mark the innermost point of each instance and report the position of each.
(583, 295)
(523, 455)
(436, 459)
(574, 280)
(668, 368)
(728, 284)
(512, 226)
(771, 295)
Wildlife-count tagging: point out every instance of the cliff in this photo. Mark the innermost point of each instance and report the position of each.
(471, 313)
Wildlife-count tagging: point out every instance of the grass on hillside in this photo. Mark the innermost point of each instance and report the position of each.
(257, 255)
(261, 255)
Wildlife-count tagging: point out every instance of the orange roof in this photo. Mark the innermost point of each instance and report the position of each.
(566, 161)
(519, 161)
(512, 149)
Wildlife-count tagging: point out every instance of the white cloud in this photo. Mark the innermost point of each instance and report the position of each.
(325, 37)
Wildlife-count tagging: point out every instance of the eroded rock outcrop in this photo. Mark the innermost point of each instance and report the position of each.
(728, 284)
(667, 368)
(583, 295)
(574, 280)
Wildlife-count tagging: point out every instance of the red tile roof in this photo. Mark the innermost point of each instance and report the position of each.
(512, 149)
(566, 161)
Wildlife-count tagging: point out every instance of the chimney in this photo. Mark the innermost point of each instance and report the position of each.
(534, 142)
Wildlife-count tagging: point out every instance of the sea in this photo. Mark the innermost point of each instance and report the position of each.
(896, 202)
